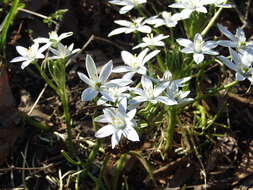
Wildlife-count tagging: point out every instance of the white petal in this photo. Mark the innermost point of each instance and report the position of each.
(89, 94)
(185, 42)
(187, 50)
(106, 71)
(116, 138)
(91, 67)
(127, 57)
(146, 83)
(117, 31)
(235, 56)
(131, 134)
(121, 69)
(141, 56)
(227, 43)
(84, 78)
(166, 100)
(239, 77)
(18, 59)
(226, 32)
(227, 62)
(22, 51)
(209, 45)
(131, 114)
(41, 40)
(150, 55)
(145, 29)
(160, 88)
(25, 64)
(198, 57)
(125, 9)
(125, 23)
(101, 119)
(105, 131)
(123, 105)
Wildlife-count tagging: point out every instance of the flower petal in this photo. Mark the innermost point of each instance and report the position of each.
(91, 68)
(105, 131)
(89, 94)
(131, 134)
(105, 72)
(84, 78)
(185, 42)
(116, 138)
(198, 57)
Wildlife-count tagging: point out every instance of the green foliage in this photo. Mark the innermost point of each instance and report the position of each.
(55, 17)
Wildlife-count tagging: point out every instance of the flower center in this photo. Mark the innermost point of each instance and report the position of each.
(120, 124)
(198, 46)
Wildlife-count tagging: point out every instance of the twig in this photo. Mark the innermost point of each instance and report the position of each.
(26, 169)
(81, 50)
(33, 13)
(37, 100)
(241, 16)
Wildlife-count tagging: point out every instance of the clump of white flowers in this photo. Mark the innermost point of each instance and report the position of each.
(53, 44)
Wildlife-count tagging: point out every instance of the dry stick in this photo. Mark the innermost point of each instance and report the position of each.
(92, 37)
(33, 13)
(37, 100)
(246, 16)
(199, 158)
(241, 16)
(26, 169)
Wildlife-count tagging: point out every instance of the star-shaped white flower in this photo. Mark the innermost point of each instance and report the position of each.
(174, 92)
(120, 122)
(53, 39)
(190, 6)
(198, 47)
(152, 41)
(242, 64)
(63, 51)
(150, 92)
(128, 27)
(135, 64)
(168, 19)
(127, 4)
(98, 83)
(28, 55)
(237, 41)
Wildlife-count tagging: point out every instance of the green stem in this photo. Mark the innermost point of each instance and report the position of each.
(211, 22)
(119, 167)
(45, 77)
(170, 128)
(6, 24)
(65, 104)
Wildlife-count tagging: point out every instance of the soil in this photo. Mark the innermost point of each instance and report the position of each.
(34, 156)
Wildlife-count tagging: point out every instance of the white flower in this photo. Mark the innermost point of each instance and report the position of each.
(128, 27)
(28, 55)
(174, 92)
(53, 39)
(113, 94)
(127, 4)
(98, 83)
(151, 41)
(220, 3)
(167, 19)
(151, 93)
(237, 41)
(190, 6)
(63, 51)
(135, 64)
(242, 64)
(119, 123)
(198, 47)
